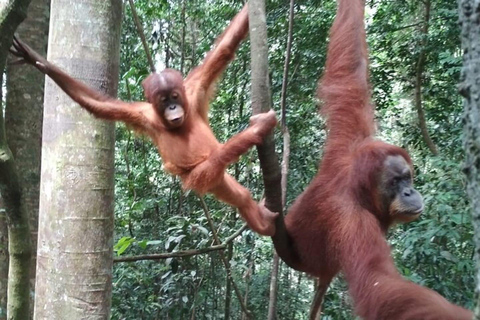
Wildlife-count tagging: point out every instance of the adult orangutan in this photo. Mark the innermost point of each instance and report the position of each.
(175, 117)
(363, 187)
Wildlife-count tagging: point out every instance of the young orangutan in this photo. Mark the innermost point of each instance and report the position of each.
(175, 117)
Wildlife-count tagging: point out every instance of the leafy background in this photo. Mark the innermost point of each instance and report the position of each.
(153, 214)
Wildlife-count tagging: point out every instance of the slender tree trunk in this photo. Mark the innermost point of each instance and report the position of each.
(470, 89)
(194, 32)
(418, 81)
(228, 290)
(24, 115)
(261, 102)
(3, 262)
(74, 267)
(12, 14)
(167, 43)
(316, 308)
(184, 31)
(19, 243)
(225, 262)
(247, 286)
(272, 308)
(141, 34)
(272, 301)
(297, 296)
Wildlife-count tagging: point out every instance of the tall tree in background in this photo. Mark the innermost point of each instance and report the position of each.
(422, 57)
(3, 261)
(12, 14)
(75, 235)
(24, 114)
(154, 216)
(262, 102)
(470, 89)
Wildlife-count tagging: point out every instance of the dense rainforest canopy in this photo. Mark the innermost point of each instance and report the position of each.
(415, 67)
(154, 215)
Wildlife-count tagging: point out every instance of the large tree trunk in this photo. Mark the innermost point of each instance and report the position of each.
(75, 233)
(24, 114)
(12, 13)
(470, 89)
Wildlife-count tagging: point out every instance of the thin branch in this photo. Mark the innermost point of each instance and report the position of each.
(316, 308)
(285, 160)
(177, 254)
(414, 25)
(408, 26)
(197, 288)
(226, 263)
(141, 33)
(181, 254)
(182, 59)
(418, 82)
(286, 66)
(272, 304)
(236, 234)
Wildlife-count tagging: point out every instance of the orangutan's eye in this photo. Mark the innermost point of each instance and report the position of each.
(396, 181)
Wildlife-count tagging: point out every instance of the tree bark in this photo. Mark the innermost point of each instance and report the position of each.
(247, 278)
(470, 89)
(12, 14)
(24, 115)
(272, 301)
(418, 81)
(141, 34)
(228, 286)
(316, 307)
(272, 305)
(225, 262)
(74, 267)
(176, 254)
(3, 261)
(183, 44)
(261, 102)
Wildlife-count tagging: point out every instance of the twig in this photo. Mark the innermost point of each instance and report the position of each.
(286, 66)
(236, 234)
(195, 295)
(177, 254)
(180, 254)
(141, 33)
(224, 260)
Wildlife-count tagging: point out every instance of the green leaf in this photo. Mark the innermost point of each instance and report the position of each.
(123, 244)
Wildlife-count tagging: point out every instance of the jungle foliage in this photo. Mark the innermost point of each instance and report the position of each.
(154, 215)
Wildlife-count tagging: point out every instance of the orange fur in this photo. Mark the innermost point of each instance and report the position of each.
(337, 224)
